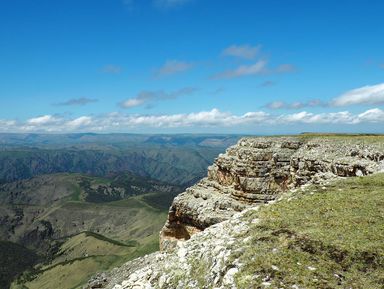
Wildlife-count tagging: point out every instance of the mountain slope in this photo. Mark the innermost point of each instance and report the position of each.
(72, 221)
(316, 237)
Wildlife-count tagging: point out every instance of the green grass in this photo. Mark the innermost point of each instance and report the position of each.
(72, 274)
(81, 256)
(329, 238)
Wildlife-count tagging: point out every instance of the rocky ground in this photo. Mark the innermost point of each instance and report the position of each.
(208, 227)
(205, 258)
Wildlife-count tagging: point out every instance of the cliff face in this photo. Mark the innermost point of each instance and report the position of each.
(257, 170)
(224, 208)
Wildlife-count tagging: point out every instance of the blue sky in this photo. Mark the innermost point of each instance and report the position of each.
(241, 66)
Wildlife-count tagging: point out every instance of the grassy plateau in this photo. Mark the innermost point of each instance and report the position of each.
(319, 237)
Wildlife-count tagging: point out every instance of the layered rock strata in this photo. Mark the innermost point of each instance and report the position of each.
(257, 170)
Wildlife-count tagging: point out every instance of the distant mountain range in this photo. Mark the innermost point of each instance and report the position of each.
(118, 140)
(176, 159)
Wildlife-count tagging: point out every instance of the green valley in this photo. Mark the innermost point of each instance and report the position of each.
(71, 221)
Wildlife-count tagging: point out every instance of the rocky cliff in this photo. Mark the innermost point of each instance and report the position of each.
(257, 170)
(253, 172)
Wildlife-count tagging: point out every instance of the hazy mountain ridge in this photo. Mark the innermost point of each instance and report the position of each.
(176, 159)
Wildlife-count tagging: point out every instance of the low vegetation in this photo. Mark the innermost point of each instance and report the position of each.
(321, 237)
(80, 257)
(71, 221)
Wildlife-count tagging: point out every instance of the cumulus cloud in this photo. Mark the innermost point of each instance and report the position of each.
(173, 67)
(372, 115)
(203, 119)
(150, 97)
(42, 120)
(77, 101)
(169, 4)
(242, 51)
(370, 94)
(7, 125)
(342, 117)
(111, 69)
(244, 70)
(81, 121)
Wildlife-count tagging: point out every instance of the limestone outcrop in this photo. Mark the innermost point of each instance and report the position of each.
(257, 170)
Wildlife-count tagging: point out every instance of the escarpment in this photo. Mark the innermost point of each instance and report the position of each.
(256, 170)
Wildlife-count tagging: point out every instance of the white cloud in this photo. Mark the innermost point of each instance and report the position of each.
(133, 102)
(199, 120)
(242, 51)
(370, 94)
(82, 121)
(7, 125)
(149, 97)
(342, 117)
(42, 120)
(372, 115)
(244, 70)
(173, 67)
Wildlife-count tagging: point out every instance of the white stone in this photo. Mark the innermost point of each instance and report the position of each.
(359, 173)
(229, 277)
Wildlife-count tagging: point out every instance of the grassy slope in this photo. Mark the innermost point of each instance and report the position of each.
(96, 236)
(82, 255)
(60, 200)
(323, 238)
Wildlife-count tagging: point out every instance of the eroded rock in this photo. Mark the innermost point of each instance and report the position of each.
(257, 170)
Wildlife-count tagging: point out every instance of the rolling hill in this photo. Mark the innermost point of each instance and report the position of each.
(70, 221)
